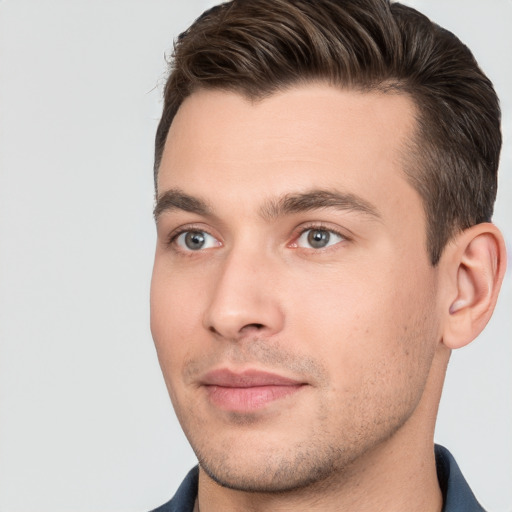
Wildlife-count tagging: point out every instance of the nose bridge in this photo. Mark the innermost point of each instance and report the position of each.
(243, 299)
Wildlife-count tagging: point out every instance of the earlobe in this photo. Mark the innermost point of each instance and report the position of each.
(476, 266)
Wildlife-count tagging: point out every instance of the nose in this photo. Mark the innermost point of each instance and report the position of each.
(244, 299)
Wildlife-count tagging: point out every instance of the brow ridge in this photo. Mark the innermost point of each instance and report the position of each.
(176, 199)
(316, 200)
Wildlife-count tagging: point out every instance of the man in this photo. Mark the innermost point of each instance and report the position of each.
(325, 176)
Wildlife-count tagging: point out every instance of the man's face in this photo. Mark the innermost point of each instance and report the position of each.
(293, 303)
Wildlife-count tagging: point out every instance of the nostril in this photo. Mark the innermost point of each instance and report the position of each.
(248, 327)
(245, 329)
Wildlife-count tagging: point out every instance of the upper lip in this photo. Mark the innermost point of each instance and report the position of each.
(246, 379)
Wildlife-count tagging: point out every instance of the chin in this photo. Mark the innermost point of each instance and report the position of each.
(266, 472)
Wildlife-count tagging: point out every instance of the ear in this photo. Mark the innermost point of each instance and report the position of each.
(473, 266)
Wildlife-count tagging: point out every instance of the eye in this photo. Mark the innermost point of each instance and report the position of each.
(316, 238)
(196, 241)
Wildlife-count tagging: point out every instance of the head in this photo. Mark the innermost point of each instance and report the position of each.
(324, 175)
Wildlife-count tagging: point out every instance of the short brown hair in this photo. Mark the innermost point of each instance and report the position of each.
(258, 47)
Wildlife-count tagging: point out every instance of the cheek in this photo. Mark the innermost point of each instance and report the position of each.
(174, 319)
(368, 327)
(374, 348)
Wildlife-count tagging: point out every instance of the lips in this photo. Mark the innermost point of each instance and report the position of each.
(247, 391)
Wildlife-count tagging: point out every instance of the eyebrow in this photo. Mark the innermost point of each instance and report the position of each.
(176, 199)
(317, 199)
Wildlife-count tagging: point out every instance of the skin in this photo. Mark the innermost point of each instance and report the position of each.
(358, 323)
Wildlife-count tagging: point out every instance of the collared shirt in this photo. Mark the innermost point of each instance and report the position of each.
(457, 495)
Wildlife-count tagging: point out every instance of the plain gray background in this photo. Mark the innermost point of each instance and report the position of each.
(85, 422)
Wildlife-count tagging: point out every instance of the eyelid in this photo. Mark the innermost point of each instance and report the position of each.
(210, 242)
(170, 239)
(321, 226)
(173, 236)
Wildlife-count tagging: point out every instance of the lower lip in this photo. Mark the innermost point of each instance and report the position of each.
(248, 399)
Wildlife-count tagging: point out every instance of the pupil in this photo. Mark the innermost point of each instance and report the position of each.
(318, 238)
(194, 240)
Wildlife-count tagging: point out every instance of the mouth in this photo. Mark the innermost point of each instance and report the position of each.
(247, 391)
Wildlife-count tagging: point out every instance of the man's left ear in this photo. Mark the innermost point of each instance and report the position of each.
(473, 266)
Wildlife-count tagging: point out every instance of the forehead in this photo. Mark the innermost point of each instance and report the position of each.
(312, 136)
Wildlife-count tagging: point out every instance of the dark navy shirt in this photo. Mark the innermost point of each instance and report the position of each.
(457, 495)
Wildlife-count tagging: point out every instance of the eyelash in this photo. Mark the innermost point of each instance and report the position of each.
(173, 237)
(318, 226)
